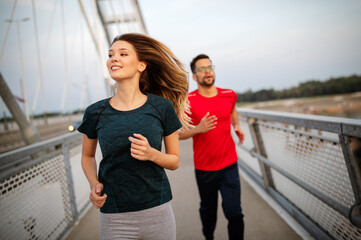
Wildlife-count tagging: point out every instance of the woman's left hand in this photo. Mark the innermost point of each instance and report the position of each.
(140, 148)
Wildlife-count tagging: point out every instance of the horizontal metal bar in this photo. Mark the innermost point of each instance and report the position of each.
(313, 228)
(352, 129)
(335, 140)
(245, 149)
(120, 19)
(11, 169)
(330, 124)
(330, 202)
(306, 222)
(333, 204)
(25, 152)
(252, 173)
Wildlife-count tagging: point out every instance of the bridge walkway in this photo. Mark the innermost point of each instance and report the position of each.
(261, 220)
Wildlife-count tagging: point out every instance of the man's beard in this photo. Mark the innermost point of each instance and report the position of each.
(205, 83)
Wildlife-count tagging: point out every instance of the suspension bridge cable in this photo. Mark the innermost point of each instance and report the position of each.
(39, 61)
(99, 49)
(100, 42)
(7, 31)
(35, 101)
(65, 91)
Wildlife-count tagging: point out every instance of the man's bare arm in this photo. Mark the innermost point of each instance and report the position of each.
(206, 124)
(236, 127)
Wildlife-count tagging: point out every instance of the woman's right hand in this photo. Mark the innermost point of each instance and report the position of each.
(97, 200)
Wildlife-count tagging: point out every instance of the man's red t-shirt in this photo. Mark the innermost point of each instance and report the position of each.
(215, 149)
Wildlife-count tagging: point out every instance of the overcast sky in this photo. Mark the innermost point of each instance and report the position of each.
(255, 45)
(263, 43)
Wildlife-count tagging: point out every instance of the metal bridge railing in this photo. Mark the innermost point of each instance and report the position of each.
(310, 165)
(42, 189)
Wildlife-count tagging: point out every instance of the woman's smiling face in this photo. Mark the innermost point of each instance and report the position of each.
(123, 61)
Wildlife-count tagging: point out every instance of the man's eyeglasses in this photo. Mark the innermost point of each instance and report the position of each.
(202, 69)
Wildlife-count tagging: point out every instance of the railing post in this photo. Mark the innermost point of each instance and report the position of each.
(351, 148)
(66, 154)
(259, 148)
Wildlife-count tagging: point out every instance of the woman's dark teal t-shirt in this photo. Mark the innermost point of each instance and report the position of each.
(130, 184)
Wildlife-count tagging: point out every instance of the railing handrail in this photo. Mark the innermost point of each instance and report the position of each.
(14, 155)
(21, 158)
(346, 126)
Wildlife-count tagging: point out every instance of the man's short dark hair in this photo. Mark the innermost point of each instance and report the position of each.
(193, 63)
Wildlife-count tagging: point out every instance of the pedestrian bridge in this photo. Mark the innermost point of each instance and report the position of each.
(300, 180)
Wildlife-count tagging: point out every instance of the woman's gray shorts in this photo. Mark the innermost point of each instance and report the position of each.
(156, 223)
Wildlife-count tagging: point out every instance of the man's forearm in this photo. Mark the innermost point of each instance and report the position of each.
(234, 118)
(206, 124)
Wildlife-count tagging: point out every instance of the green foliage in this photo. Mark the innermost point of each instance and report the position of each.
(306, 89)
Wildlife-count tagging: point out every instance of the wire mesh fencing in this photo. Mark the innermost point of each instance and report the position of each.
(42, 189)
(306, 164)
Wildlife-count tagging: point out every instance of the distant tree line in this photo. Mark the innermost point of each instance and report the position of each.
(306, 89)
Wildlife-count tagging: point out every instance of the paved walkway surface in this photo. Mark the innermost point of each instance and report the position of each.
(261, 221)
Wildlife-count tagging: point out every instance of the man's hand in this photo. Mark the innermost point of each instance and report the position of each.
(207, 123)
(239, 134)
(97, 200)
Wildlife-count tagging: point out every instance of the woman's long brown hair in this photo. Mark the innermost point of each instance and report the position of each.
(164, 75)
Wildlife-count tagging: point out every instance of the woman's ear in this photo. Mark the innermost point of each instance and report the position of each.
(142, 66)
